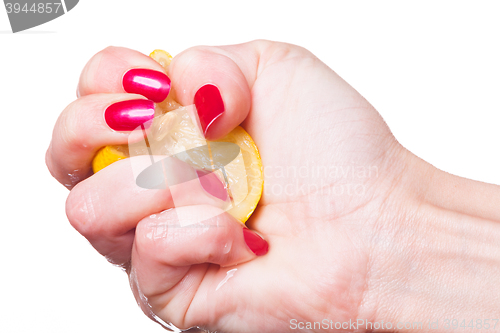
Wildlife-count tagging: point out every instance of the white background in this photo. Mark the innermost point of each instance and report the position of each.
(431, 69)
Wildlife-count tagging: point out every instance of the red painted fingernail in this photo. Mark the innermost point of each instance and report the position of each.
(255, 243)
(151, 84)
(209, 105)
(130, 114)
(212, 184)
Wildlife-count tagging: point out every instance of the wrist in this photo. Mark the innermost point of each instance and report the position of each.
(437, 252)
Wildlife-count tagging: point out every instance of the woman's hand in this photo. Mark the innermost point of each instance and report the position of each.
(347, 212)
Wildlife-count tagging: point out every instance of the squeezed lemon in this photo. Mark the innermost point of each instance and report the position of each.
(175, 131)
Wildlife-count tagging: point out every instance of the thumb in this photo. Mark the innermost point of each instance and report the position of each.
(217, 81)
(169, 246)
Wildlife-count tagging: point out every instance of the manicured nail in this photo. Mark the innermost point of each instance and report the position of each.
(151, 84)
(130, 114)
(209, 105)
(212, 184)
(255, 243)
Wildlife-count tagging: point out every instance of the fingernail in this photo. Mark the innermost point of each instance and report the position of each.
(255, 243)
(153, 85)
(209, 105)
(212, 184)
(130, 114)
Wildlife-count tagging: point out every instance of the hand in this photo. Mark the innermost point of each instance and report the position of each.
(343, 209)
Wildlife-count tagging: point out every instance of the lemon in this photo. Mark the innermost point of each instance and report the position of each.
(175, 131)
(251, 173)
(108, 155)
(162, 57)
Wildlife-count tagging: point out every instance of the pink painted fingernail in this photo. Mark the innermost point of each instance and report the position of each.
(209, 105)
(130, 114)
(151, 84)
(255, 243)
(212, 184)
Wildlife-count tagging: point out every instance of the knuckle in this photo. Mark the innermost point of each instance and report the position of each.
(276, 52)
(260, 44)
(89, 78)
(110, 50)
(194, 51)
(200, 55)
(82, 210)
(221, 238)
(88, 73)
(152, 236)
(72, 123)
(67, 126)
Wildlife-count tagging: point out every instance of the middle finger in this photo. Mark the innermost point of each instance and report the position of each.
(88, 124)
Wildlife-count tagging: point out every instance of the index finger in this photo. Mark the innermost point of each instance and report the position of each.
(104, 73)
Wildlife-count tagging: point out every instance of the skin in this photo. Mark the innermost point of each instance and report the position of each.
(358, 227)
